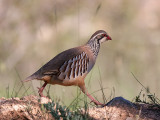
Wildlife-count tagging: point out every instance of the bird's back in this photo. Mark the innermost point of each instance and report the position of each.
(68, 64)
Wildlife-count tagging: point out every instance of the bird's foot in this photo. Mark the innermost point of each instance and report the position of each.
(40, 90)
(97, 103)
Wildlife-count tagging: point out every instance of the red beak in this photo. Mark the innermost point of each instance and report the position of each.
(109, 38)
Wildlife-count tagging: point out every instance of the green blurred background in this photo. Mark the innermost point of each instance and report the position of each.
(34, 31)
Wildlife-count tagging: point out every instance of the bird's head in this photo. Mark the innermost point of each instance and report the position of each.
(99, 36)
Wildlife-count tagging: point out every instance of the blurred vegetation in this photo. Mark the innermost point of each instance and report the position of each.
(34, 31)
(62, 112)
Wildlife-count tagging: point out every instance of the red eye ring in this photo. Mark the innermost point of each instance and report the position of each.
(104, 35)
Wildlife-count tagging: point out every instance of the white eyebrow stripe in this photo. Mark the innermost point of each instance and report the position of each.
(97, 35)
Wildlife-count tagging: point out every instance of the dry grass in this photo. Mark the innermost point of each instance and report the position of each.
(32, 32)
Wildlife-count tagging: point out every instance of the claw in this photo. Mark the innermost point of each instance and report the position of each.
(97, 103)
(83, 88)
(40, 90)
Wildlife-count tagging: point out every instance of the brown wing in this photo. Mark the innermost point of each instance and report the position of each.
(78, 59)
(74, 67)
(54, 65)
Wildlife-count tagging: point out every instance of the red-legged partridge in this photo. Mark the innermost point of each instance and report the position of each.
(71, 66)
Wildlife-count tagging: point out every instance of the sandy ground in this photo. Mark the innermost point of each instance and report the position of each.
(29, 108)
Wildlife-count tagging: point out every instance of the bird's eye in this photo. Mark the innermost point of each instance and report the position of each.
(98, 37)
(104, 35)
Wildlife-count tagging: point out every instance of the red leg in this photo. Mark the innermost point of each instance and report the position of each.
(84, 90)
(41, 90)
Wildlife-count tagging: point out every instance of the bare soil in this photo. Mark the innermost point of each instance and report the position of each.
(30, 108)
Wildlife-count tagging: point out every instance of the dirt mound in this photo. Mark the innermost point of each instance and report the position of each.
(26, 108)
(122, 109)
(30, 108)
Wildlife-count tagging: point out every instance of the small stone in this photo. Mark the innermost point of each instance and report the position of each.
(16, 98)
(45, 100)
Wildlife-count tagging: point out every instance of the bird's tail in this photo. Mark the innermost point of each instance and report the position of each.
(32, 77)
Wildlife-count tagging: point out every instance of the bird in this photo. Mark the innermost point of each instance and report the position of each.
(71, 66)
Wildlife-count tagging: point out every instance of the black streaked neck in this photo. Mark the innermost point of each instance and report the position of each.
(94, 45)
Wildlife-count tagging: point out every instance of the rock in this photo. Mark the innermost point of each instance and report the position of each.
(122, 109)
(45, 100)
